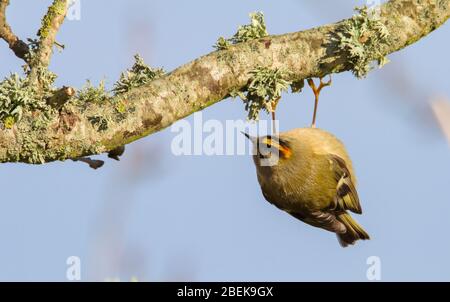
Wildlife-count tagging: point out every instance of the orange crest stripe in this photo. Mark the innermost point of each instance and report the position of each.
(285, 152)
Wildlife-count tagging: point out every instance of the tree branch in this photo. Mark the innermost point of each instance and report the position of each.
(98, 127)
(19, 47)
(51, 23)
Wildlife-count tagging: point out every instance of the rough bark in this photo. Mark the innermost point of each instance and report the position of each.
(99, 127)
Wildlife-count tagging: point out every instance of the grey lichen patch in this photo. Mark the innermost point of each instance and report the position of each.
(222, 44)
(92, 94)
(362, 38)
(33, 150)
(227, 57)
(100, 123)
(17, 96)
(263, 91)
(40, 120)
(140, 74)
(45, 77)
(255, 30)
(31, 136)
(297, 86)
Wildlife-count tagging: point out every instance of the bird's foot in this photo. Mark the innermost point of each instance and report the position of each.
(316, 90)
(274, 105)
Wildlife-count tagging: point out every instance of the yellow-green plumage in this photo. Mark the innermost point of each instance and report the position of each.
(315, 183)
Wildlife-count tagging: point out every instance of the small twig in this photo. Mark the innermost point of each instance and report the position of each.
(60, 97)
(116, 153)
(62, 46)
(19, 47)
(93, 163)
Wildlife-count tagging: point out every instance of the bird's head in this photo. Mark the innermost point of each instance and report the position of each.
(270, 150)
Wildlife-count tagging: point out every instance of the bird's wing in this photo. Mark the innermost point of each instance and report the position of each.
(346, 194)
(324, 220)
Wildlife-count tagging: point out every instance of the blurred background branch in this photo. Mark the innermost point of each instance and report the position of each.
(441, 110)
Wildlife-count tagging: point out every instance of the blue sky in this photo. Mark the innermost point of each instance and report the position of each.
(203, 218)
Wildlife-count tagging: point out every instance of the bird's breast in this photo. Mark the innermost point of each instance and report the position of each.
(295, 193)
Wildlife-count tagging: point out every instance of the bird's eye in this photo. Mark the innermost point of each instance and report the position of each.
(268, 142)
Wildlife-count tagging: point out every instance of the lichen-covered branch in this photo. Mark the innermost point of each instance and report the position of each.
(50, 25)
(19, 47)
(102, 123)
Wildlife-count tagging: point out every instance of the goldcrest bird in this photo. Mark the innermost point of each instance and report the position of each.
(307, 173)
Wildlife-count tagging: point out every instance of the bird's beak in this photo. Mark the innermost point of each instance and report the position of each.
(252, 138)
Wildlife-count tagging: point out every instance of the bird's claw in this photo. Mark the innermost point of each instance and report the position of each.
(316, 90)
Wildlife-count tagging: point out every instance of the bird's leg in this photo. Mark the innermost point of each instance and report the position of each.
(316, 91)
(274, 130)
(273, 111)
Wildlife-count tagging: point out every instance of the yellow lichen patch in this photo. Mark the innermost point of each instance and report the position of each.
(9, 122)
(57, 9)
(121, 107)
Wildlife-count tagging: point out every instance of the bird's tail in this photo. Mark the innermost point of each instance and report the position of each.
(354, 230)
